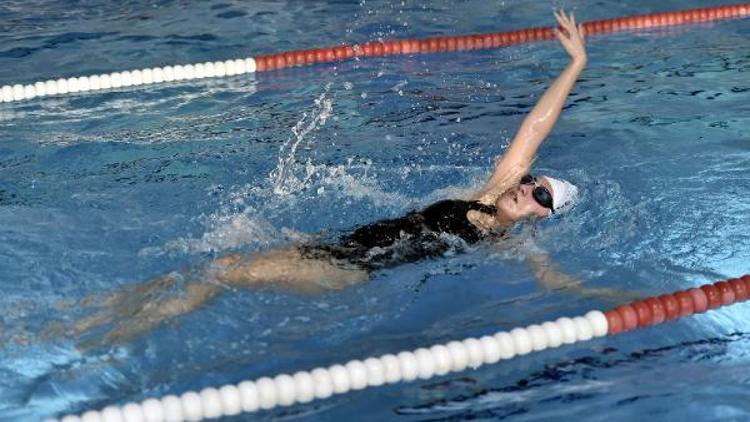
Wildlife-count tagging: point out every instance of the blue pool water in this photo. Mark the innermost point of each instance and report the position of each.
(102, 191)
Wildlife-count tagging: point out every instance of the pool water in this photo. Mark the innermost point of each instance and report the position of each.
(102, 191)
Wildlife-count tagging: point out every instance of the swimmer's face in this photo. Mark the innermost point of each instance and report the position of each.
(518, 203)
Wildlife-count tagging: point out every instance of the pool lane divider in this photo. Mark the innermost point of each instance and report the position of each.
(155, 75)
(423, 363)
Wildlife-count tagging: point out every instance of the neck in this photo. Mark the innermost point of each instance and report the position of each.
(503, 220)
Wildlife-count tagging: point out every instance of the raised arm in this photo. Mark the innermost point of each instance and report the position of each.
(539, 122)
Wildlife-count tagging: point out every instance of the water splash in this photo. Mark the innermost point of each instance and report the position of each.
(226, 232)
(283, 177)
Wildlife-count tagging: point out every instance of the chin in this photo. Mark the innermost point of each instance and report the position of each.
(504, 208)
(506, 214)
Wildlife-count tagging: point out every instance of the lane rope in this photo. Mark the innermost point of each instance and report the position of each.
(217, 69)
(423, 363)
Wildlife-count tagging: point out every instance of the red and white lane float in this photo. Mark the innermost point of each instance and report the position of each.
(155, 75)
(423, 363)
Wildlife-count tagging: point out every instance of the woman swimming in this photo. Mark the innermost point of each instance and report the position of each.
(510, 195)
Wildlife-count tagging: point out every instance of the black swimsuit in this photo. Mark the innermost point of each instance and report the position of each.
(417, 235)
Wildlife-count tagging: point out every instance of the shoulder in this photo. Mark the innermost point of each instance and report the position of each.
(486, 197)
(487, 223)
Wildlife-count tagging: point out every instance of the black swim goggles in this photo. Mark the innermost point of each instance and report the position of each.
(540, 193)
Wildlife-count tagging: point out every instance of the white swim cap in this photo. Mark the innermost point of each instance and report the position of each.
(564, 193)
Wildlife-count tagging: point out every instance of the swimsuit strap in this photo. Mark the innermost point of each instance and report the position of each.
(487, 209)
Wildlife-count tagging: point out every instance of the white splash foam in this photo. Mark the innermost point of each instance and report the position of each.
(283, 177)
(360, 186)
(227, 232)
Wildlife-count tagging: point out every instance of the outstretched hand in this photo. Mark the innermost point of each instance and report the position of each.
(571, 36)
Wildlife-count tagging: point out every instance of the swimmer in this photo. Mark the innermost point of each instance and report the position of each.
(512, 194)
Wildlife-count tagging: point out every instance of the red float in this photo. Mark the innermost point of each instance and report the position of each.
(629, 317)
(686, 303)
(700, 300)
(501, 39)
(726, 293)
(671, 307)
(658, 315)
(740, 290)
(643, 310)
(654, 310)
(713, 295)
(614, 322)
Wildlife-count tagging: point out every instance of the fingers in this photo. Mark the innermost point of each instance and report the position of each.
(581, 31)
(568, 29)
(565, 41)
(560, 36)
(567, 22)
(560, 18)
(570, 34)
